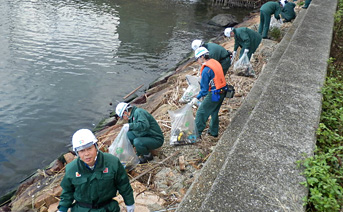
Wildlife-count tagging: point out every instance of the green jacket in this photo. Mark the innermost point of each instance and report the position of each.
(220, 54)
(95, 186)
(246, 39)
(143, 124)
(288, 12)
(271, 8)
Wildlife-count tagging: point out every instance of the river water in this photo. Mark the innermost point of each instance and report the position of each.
(62, 62)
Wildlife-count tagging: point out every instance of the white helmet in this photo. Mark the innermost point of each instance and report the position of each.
(121, 108)
(227, 32)
(196, 44)
(200, 52)
(83, 139)
(283, 2)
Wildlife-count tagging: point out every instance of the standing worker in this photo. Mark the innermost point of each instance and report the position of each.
(246, 38)
(144, 132)
(287, 11)
(266, 11)
(213, 88)
(217, 52)
(93, 179)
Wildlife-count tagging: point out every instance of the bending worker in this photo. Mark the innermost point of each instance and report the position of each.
(144, 132)
(287, 11)
(266, 11)
(217, 52)
(213, 88)
(93, 179)
(246, 38)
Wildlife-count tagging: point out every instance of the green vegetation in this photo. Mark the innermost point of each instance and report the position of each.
(275, 33)
(324, 170)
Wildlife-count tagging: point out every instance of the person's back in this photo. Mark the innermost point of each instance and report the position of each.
(246, 39)
(288, 12)
(149, 128)
(220, 54)
(271, 8)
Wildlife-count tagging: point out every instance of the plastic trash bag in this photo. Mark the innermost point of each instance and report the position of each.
(122, 148)
(243, 66)
(192, 89)
(275, 23)
(183, 128)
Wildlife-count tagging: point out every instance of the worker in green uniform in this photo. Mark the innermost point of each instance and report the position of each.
(307, 3)
(266, 11)
(93, 179)
(213, 89)
(287, 11)
(246, 38)
(217, 52)
(144, 132)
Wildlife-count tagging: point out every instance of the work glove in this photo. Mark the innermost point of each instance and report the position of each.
(130, 208)
(194, 101)
(126, 127)
(233, 55)
(246, 51)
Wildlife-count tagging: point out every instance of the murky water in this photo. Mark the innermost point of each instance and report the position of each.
(63, 61)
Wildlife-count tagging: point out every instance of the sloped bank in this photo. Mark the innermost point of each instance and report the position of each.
(42, 191)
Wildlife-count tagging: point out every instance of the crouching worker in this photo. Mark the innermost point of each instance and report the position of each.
(144, 132)
(93, 179)
(213, 88)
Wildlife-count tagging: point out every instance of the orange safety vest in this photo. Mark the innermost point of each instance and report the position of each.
(219, 79)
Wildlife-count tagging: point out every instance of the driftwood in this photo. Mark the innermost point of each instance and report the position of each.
(182, 163)
(239, 3)
(148, 170)
(133, 91)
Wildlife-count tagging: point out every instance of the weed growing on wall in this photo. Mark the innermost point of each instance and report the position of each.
(324, 170)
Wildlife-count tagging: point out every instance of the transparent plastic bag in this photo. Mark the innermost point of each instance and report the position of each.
(122, 148)
(275, 23)
(184, 130)
(243, 66)
(192, 89)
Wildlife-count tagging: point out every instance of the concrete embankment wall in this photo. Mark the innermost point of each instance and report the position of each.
(253, 167)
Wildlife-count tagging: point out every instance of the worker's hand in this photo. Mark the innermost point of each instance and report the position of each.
(130, 208)
(233, 55)
(126, 127)
(194, 101)
(246, 51)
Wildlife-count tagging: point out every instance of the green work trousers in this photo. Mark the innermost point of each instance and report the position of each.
(249, 53)
(226, 63)
(206, 109)
(307, 3)
(264, 24)
(143, 144)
